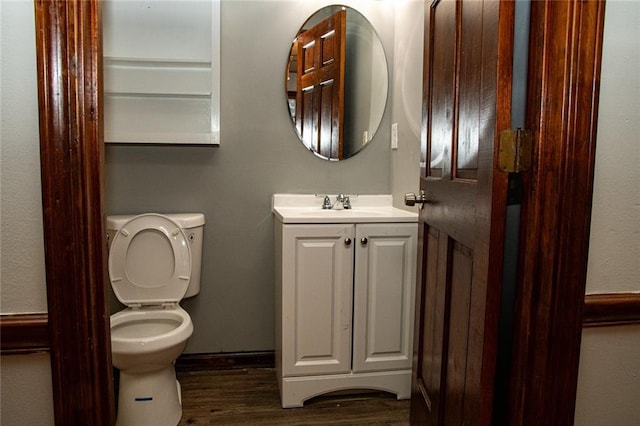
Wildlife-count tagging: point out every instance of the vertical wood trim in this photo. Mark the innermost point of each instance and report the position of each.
(564, 71)
(69, 51)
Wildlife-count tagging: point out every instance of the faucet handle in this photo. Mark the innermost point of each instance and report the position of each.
(346, 202)
(326, 204)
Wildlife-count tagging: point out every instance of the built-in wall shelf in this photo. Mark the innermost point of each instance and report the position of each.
(164, 138)
(161, 72)
(157, 77)
(159, 94)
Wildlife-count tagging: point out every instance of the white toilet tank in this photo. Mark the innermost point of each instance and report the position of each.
(192, 225)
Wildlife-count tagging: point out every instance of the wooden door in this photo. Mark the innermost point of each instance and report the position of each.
(466, 103)
(320, 86)
(384, 288)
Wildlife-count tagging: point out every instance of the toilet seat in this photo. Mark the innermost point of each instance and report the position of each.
(136, 292)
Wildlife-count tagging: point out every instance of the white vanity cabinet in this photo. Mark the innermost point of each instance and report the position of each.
(344, 308)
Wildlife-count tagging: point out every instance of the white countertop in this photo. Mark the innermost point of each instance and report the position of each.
(307, 208)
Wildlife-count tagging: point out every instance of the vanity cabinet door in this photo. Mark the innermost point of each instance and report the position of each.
(317, 271)
(384, 280)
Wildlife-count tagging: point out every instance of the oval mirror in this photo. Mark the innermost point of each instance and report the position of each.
(336, 82)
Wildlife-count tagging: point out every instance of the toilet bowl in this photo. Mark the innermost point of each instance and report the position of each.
(151, 268)
(147, 340)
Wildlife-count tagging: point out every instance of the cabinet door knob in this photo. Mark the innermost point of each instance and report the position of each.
(347, 241)
(364, 240)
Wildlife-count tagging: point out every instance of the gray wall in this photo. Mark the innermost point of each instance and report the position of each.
(232, 184)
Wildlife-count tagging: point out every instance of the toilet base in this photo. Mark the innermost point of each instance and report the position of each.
(149, 399)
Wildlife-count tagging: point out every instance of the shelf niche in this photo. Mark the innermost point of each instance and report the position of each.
(161, 72)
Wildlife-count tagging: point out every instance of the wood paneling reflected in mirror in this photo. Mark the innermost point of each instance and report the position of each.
(336, 82)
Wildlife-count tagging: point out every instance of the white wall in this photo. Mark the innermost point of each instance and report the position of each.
(614, 247)
(22, 260)
(26, 393)
(609, 376)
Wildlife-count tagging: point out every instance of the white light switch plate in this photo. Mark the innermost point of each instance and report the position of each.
(394, 136)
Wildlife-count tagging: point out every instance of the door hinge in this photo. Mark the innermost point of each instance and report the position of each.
(515, 150)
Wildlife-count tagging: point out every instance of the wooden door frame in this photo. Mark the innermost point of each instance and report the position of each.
(562, 107)
(563, 99)
(69, 62)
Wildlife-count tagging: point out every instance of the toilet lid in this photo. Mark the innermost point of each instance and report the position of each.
(149, 261)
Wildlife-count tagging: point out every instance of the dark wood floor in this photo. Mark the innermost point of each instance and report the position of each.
(250, 397)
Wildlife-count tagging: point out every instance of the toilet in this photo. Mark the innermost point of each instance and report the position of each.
(154, 262)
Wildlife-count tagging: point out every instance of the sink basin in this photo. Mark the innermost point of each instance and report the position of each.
(307, 208)
(343, 212)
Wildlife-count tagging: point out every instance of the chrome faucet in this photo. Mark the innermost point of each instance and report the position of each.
(344, 200)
